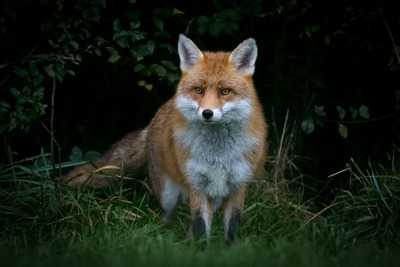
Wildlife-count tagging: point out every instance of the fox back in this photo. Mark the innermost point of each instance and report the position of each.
(206, 143)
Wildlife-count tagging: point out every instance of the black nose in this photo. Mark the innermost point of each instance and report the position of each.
(207, 114)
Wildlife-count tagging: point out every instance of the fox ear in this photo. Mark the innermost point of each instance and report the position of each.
(189, 54)
(244, 56)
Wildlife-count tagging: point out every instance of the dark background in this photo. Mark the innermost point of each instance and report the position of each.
(311, 53)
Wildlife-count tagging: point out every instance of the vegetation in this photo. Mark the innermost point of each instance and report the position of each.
(121, 227)
(84, 72)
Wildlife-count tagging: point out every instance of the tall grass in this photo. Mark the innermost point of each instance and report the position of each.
(121, 226)
(370, 207)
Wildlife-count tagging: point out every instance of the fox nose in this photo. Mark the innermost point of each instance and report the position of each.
(207, 114)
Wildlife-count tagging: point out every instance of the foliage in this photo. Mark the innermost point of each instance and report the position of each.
(89, 61)
(121, 226)
(70, 39)
(370, 207)
(70, 32)
(319, 116)
(26, 104)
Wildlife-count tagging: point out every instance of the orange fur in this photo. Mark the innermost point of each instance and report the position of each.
(205, 144)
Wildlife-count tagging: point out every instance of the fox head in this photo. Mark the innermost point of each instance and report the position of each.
(216, 87)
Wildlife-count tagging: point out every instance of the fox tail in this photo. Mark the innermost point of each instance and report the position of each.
(129, 155)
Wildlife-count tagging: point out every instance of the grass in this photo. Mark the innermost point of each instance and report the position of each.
(45, 224)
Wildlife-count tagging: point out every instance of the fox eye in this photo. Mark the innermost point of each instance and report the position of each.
(225, 91)
(198, 90)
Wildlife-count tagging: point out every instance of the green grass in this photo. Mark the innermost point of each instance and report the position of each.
(43, 224)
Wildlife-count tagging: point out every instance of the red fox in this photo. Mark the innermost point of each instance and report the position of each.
(205, 144)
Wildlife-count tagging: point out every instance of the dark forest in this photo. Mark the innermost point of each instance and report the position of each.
(76, 76)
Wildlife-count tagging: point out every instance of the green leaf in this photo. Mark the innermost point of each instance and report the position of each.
(136, 36)
(150, 46)
(51, 42)
(319, 122)
(74, 44)
(50, 70)
(23, 73)
(97, 50)
(169, 64)
(117, 25)
(123, 42)
(14, 91)
(39, 93)
(114, 58)
(159, 23)
(320, 110)
(112, 50)
(353, 112)
(142, 69)
(60, 70)
(341, 112)
(139, 67)
(135, 24)
(215, 28)
(33, 68)
(100, 40)
(142, 50)
(78, 58)
(235, 16)
(202, 22)
(343, 130)
(160, 70)
(76, 154)
(364, 112)
(173, 77)
(327, 39)
(71, 72)
(101, 2)
(308, 125)
(86, 32)
(4, 107)
(91, 155)
(37, 79)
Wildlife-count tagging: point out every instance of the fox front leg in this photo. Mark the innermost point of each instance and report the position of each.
(233, 208)
(201, 213)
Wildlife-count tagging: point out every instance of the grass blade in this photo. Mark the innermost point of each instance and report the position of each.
(377, 186)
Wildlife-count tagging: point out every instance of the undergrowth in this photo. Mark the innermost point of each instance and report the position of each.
(122, 226)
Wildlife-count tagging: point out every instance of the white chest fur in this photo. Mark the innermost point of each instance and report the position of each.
(217, 165)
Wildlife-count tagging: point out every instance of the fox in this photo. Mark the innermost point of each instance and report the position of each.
(203, 146)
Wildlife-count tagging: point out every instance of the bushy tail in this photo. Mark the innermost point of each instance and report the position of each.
(129, 155)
